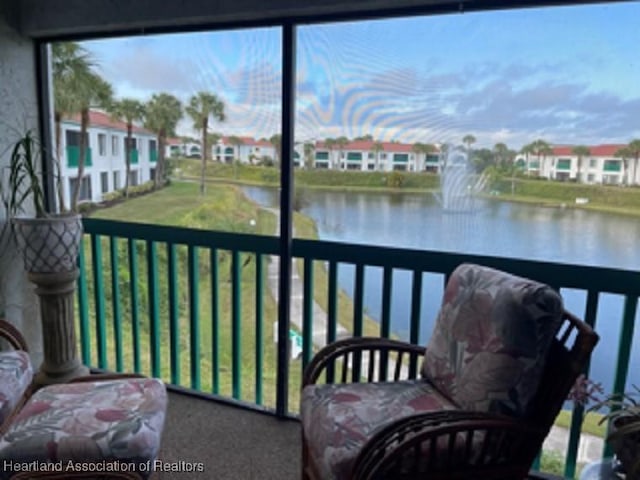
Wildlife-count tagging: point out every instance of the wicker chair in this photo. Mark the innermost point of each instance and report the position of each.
(500, 362)
(97, 426)
(16, 373)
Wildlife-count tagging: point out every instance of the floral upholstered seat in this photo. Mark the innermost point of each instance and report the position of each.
(486, 356)
(340, 418)
(16, 374)
(89, 423)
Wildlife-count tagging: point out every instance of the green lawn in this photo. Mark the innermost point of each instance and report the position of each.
(222, 208)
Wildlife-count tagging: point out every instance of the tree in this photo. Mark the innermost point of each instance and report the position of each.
(580, 151)
(541, 149)
(501, 154)
(422, 149)
(330, 143)
(202, 107)
(468, 140)
(308, 149)
(366, 138)
(341, 142)
(527, 150)
(634, 149)
(625, 154)
(212, 140)
(163, 112)
(129, 111)
(70, 65)
(377, 147)
(236, 142)
(276, 141)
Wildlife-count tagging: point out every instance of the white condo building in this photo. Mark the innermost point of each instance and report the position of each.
(105, 166)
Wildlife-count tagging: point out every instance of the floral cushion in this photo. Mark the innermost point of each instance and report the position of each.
(338, 419)
(16, 374)
(491, 338)
(89, 423)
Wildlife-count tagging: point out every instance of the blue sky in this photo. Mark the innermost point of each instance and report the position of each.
(568, 75)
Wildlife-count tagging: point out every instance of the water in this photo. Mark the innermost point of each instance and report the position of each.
(494, 228)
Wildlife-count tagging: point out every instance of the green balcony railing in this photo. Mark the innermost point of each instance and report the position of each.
(73, 157)
(198, 308)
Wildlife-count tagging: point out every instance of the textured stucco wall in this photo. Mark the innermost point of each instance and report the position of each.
(18, 112)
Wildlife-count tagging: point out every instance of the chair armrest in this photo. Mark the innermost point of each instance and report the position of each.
(373, 357)
(452, 444)
(12, 335)
(98, 377)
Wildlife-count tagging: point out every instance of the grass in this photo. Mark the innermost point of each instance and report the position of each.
(222, 208)
(590, 423)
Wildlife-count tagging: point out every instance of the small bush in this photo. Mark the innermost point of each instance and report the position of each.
(395, 180)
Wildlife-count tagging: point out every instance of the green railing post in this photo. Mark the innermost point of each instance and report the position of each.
(578, 410)
(98, 295)
(174, 319)
(385, 324)
(332, 314)
(154, 307)
(358, 317)
(307, 313)
(115, 302)
(133, 291)
(236, 326)
(259, 326)
(215, 321)
(83, 308)
(194, 316)
(624, 354)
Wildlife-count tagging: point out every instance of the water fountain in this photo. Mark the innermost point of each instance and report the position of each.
(459, 184)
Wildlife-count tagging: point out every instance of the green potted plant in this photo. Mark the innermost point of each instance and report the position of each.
(624, 429)
(49, 243)
(623, 417)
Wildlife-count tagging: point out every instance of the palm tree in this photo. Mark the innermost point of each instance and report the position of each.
(541, 149)
(236, 142)
(163, 112)
(308, 148)
(377, 147)
(341, 142)
(580, 151)
(213, 139)
(201, 108)
(468, 140)
(625, 154)
(527, 150)
(70, 63)
(634, 149)
(129, 111)
(330, 143)
(91, 91)
(276, 141)
(501, 154)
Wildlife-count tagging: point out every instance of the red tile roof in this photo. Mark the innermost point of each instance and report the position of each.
(606, 150)
(100, 119)
(367, 145)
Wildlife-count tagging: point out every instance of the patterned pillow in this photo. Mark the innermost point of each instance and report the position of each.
(490, 341)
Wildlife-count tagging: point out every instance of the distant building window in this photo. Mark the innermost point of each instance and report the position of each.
(116, 180)
(114, 145)
(371, 155)
(85, 187)
(152, 173)
(104, 182)
(591, 178)
(133, 178)
(383, 156)
(371, 166)
(593, 163)
(102, 144)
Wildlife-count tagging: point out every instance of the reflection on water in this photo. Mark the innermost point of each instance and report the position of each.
(498, 228)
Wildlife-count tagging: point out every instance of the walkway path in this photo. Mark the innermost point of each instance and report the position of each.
(320, 325)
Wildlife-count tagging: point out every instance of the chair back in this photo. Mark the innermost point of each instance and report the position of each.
(491, 340)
